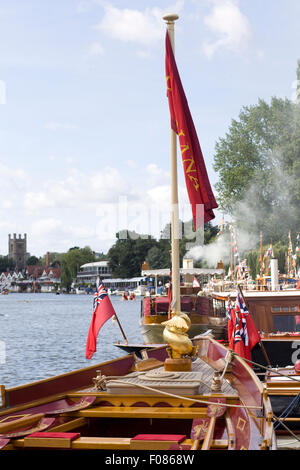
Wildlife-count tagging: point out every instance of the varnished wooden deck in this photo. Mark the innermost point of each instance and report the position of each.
(198, 366)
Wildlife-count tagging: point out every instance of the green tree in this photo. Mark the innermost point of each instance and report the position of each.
(129, 252)
(258, 162)
(156, 258)
(71, 262)
(66, 276)
(6, 263)
(33, 261)
(253, 262)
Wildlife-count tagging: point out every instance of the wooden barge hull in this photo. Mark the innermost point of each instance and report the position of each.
(68, 411)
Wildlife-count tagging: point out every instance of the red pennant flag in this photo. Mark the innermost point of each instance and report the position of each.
(198, 185)
(103, 310)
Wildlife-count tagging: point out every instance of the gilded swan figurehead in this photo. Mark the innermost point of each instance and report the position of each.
(175, 335)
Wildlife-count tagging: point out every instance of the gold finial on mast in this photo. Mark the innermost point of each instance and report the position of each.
(170, 17)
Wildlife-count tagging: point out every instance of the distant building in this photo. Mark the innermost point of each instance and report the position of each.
(90, 271)
(17, 250)
(43, 278)
(33, 279)
(41, 272)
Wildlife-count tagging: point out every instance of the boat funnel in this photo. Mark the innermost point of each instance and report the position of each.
(187, 263)
(274, 275)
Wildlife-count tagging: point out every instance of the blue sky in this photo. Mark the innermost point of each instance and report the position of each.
(84, 119)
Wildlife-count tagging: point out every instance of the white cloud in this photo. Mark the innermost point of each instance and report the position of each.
(156, 176)
(55, 234)
(230, 26)
(53, 226)
(46, 226)
(140, 27)
(34, 201)
(76, 190)
(83, 207)
(131, 25)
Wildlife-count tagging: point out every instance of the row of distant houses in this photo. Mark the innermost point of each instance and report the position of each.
(48, 279)
(32, 279)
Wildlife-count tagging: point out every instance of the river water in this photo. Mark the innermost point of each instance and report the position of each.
(42, 335)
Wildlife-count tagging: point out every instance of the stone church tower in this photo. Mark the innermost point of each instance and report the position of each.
(17, 250)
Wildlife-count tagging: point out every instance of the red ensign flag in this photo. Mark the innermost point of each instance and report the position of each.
(198, 185)
(103, 310)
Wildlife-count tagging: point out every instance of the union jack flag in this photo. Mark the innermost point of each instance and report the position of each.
(99, 295)
(237, 336)
(242, 332)
(244, 313)
(250, 334)
(234, 319)
(241, 303)
(228, 309)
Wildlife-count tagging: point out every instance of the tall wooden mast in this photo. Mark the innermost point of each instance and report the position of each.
(170, 20)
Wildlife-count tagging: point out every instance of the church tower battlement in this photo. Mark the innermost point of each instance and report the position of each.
(17, 250)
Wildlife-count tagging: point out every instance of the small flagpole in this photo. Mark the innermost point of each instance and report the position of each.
(176, 305)
(260, 343)
(122, 331)
(115, 315)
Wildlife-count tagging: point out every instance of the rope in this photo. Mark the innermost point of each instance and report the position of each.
(285, 414)
(194, 400)
(287, 429)
(101, 381)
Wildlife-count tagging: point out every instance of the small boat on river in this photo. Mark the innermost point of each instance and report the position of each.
(205, 313)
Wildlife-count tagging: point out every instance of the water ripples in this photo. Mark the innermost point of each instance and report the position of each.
(45, 334)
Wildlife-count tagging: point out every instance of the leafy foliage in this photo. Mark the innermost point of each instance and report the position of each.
(258, 162)
(33, 261)
(129, 252)
(6, 263)
(71, 261)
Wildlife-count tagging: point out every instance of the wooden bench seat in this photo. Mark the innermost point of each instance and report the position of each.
(141, 412)
(87, 443)
(119, 443)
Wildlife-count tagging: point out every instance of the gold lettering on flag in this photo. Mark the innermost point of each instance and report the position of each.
(184, 148)
(168, 78)
(188, 161)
